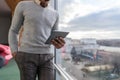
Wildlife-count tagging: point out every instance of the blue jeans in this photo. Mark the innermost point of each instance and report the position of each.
(32, 65)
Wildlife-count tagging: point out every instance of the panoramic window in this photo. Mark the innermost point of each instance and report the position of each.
(92, 49)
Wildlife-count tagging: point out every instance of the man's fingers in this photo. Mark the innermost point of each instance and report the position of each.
(62, 40)
(14, 54)
(57, 44)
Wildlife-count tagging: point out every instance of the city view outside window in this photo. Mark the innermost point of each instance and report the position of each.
(92, 50)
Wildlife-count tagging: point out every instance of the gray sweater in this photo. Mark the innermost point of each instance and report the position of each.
(37, 22)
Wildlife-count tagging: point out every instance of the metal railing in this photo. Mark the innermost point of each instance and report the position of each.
(62, 72)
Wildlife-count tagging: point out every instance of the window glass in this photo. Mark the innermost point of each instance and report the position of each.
(92, 49)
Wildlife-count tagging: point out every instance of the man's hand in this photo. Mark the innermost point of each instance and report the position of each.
(14, 54)
(58, 42)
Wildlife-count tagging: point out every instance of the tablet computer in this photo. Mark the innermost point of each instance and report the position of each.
(56, 34)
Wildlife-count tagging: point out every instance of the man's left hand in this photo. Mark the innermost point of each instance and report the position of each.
(58, 42)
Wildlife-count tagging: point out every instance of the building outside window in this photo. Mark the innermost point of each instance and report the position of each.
(92, 49)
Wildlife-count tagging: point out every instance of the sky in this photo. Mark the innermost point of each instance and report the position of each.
(98, 19)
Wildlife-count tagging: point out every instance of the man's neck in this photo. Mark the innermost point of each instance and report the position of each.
(37, 2)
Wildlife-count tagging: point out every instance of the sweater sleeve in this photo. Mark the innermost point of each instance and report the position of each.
(55, 26)
(17, 22)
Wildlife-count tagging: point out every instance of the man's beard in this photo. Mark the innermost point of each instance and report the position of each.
(44, 4)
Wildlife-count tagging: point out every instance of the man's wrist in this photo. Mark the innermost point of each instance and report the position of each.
(14, 54)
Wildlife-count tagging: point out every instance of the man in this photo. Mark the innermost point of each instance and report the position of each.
(33, 56)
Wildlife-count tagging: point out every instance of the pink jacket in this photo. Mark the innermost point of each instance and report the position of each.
(5, 52)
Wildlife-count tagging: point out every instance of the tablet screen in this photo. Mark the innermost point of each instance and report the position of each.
(56, 34)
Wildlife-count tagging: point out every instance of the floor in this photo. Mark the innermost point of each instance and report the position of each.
(10, 71)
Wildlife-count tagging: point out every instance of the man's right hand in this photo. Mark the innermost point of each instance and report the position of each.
(14, 54)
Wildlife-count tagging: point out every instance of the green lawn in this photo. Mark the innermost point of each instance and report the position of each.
(10, 71)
